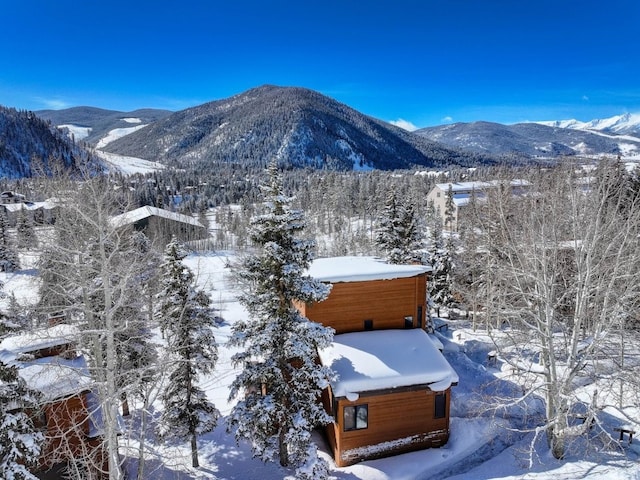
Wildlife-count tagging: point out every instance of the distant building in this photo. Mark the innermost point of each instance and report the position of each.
(463, 192)
(39, 212)
(11, 197)
(393, 386)
(160, 225)
(69, 415)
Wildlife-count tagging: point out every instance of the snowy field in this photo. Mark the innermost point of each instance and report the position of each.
(485, 443)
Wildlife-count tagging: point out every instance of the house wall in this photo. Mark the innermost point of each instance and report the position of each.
(386, 302)
(162, 229)
(392, 416)
(67, 427)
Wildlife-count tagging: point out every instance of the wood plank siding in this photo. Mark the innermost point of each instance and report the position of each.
(386, 303)
(397, 422)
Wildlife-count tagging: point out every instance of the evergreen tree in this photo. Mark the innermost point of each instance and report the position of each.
(398, 234)
(20, 443)
(26, 235)
(187, 319)
(280, 381)
(8, 254)
(441, 261)
(449, 209)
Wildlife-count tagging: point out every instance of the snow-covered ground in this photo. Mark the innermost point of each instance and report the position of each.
(117, 133)
(128, 165)
(483, 445)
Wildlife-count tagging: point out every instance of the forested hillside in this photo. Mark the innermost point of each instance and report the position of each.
(30, 145)
(297, 126)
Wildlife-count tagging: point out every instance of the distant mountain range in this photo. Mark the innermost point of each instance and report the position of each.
(626, 124)
(301, 128)
(536, 140)
(92, 124)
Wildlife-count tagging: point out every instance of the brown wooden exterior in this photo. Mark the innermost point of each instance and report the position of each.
(398, 421)
(388, 304)
(66, 429)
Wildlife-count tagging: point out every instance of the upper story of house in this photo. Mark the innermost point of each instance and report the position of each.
(369, 294)
(462, 194)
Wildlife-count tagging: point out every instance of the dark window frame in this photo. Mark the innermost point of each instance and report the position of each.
(356, 409)
(440, 405)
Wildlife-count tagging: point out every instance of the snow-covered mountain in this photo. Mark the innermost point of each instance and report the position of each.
(300, 127)
(618, 135)
(98, 126)
(27, 140)
(532, 140)
(627, 124)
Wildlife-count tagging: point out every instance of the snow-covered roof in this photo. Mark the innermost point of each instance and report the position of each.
(478, 186)
(16, 207)
(25, 342)
(385, 359)
(56, 377)
(138, 214)
(359, 269)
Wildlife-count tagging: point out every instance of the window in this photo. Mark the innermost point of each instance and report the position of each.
(441, 405)
(408, 322)
(368, 324)
(356, 417)
(419, 316)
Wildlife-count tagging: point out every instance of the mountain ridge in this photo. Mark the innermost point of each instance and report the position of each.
(298, 126)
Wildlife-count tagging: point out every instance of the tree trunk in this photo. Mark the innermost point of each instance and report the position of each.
(282, 444)
(125, 404)
(194, 451)
(143, 426)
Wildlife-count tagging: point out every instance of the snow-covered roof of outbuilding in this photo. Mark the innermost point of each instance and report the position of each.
(138, 214)
(359, 269)
(56, 377)
(386, 359)
(25, 342)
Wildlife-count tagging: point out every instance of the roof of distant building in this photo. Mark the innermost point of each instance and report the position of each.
(147, 211)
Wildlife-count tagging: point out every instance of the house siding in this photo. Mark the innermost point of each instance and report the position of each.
(385, 302)
(397, 422)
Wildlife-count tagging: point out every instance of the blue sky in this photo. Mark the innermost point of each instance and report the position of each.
(425, 62)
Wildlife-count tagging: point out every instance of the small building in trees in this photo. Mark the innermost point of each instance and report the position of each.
(392, 390)
(69, 415)
(459, 194)
(161, 225)
(9, 197)
(38, 212)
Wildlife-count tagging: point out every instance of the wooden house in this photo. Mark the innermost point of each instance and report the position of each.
(69, 413)
(392, 388)
(368, 294)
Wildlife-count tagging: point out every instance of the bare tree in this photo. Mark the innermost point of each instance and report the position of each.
(562, 269)
(94, 269)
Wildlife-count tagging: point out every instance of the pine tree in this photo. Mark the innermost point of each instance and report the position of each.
(398, 234)
(26, 235)
(280, 381)
(8, 254)
(449, 209)
(441, 260)
(186, 319)
(20, 443)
